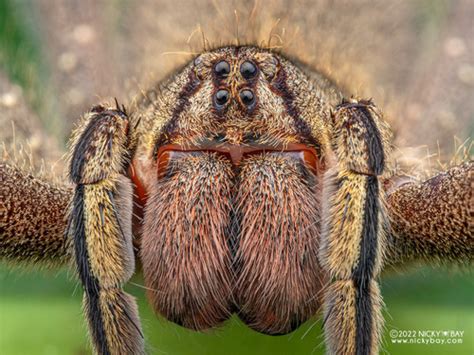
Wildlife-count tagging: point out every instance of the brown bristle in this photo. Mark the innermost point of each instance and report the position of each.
(279, 278)
(185, 255)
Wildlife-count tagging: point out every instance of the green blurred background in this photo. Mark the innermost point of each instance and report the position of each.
(40, 311)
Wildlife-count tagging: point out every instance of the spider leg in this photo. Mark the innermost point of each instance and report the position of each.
(32, 218)
(432, 220)
(352, 238)
(100, 227)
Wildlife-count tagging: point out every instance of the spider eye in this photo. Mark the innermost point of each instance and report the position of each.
(222, 96)
(247, 97)
(222, 68)
(248, 69)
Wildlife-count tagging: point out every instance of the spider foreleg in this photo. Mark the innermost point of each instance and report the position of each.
(100, 226)
(352, 239)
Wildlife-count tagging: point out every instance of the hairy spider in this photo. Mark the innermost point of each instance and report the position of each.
(245, 184)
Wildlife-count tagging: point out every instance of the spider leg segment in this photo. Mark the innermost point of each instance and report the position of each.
(352, 238)
(32, 218)
(100, 226)
(432, 220)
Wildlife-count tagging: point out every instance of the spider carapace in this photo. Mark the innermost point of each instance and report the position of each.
(245, 183)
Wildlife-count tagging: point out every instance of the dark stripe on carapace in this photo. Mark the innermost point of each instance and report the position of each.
(280, 87)
(89, 282)
(364, 272)
(182, 102)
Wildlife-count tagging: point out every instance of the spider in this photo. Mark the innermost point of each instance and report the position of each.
(245, 183)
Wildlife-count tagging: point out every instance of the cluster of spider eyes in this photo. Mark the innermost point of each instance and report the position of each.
(248, 70)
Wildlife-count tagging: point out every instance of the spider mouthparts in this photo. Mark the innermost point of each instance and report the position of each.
(236, 153)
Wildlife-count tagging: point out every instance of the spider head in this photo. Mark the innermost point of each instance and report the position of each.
(227, 165)
(233, 101)
(236, 101)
